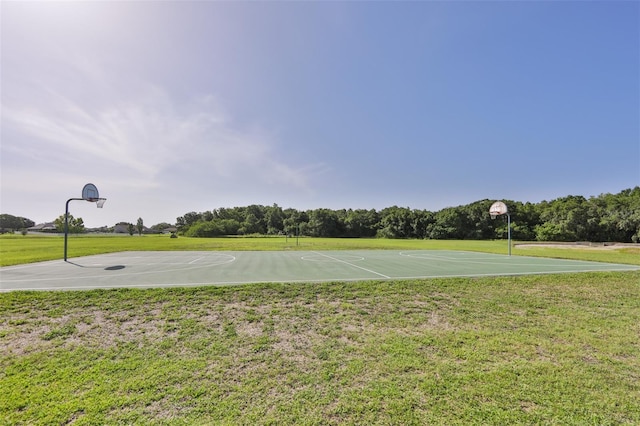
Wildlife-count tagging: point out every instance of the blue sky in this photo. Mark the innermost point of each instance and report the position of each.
(170, 107)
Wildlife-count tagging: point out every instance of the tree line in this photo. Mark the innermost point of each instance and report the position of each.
(10, 223)
(603, 218)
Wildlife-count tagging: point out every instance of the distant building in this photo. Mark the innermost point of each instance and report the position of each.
(121, 228)
(43, 227)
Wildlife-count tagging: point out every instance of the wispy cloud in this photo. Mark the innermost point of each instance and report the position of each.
(144, 138)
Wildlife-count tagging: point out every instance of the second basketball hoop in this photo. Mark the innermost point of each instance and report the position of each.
(498, 208)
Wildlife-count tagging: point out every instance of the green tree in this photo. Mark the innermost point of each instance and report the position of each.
(184, 222)
(75, 226)
(524, 221)
(14, 223)
(361, 223)
(323, 223)
(161, 226)
(396, 222)
(617, 215)
(274, 218)
(255, 215)
(564, 219)
(608, 217)
(295, 222)
(251, 225)
(236, 213)
(214, 228)
(447, 225)
(139, 226)
(475, 222)
(205, 229)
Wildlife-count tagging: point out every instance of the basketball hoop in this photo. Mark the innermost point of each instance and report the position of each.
(90, 194)
(498, 209)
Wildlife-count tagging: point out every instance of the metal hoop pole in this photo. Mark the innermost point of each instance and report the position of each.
(509, 231)
(66, 224)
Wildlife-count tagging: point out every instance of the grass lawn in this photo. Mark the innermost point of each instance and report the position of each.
(548, 349)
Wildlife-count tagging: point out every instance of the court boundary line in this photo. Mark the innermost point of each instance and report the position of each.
(317, 281)
(191, 260)
(512, 259)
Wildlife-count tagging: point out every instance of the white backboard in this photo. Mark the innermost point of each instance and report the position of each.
(498, 208)
(90, 192)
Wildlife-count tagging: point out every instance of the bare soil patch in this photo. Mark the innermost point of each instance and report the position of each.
(578, 245)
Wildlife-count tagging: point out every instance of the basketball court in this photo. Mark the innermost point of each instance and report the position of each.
(193, 268)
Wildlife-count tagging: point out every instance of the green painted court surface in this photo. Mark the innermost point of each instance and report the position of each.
(192, 268)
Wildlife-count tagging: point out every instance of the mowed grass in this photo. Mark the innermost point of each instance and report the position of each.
(552, 349)
(19, 249)
(547, 349)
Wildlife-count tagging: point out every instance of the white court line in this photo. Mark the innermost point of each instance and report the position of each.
(350, 264)
(459, 257)
(302, 281)
(225, 258)
(504, 260)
